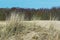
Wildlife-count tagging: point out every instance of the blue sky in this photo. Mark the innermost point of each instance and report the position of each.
(29, 3)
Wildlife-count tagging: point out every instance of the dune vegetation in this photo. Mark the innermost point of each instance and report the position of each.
(16, 29)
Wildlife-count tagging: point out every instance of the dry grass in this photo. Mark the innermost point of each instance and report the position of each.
(18, 30)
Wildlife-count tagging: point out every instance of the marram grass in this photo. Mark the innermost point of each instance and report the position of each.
(17, 30)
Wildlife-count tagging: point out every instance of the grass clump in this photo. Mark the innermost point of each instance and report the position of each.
(18, 30)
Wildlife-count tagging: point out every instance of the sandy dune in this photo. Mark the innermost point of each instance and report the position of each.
(47, 24)
(3, 22)
(42, 23)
